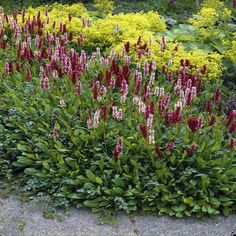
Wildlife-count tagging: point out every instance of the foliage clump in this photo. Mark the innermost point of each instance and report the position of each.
(137, 127)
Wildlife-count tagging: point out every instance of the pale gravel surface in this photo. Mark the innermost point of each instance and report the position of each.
(14, 214)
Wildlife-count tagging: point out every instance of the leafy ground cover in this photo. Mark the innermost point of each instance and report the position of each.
(141, 123)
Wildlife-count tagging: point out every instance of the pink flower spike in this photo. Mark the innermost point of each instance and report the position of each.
(163, 43)
(55, 134)
(170, 145)
(79, 88)
(96, 119)
(118, 149)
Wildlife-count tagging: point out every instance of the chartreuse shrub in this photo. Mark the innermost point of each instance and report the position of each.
(103, 133)
(115, 29)
(214, 26)
(211, 19)
(102, 32)
(56, 14)
(230, 54)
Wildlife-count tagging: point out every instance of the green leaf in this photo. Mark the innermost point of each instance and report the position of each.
(118, 191)
(69, 130)
(179, 214)
(210, 210)
(91, 204)
(187, 213)
(184, 154)
(91, 176)
(119, 182)
(31, 171)
(23, 162)
(99, 180)
(205, 181)
(42, 146)
(226, 211)
(201, 163)
(196, 208)
(46, 165)
(202, 147)
(72, 163)
(188, 200)
(22, 148)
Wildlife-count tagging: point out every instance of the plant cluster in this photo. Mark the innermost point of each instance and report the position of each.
(114, 31)
(107, 132)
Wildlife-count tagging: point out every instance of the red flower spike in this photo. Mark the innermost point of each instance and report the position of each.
(159, 152)
(70, 37)
(187, 63)
(169, 76)
(96, 90)
(38, 16)
(143, 130)
(199, 86)
(108, 78)
(170, 145)
(28, 75)
(208, 106)
(104, 112)
(138, 86)
(163, 70)
(233, 127)
(195, 123)
(188, 98)
(192, 149)
(231, 118)
(127, 47)
(204, 69)
(69, 17)
(147, 112)
(6, 17)
(152, 107)
(173, 117)
(217, 96)
(64, 29)
(176, 48)
(139, 40)
(232, 143)
(212, 121)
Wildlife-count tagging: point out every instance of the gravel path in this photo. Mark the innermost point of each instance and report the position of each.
(21, 219)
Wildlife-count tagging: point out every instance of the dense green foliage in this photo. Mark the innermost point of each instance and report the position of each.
(103, 131)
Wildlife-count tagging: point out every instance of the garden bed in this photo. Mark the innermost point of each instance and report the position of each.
(136, 124)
